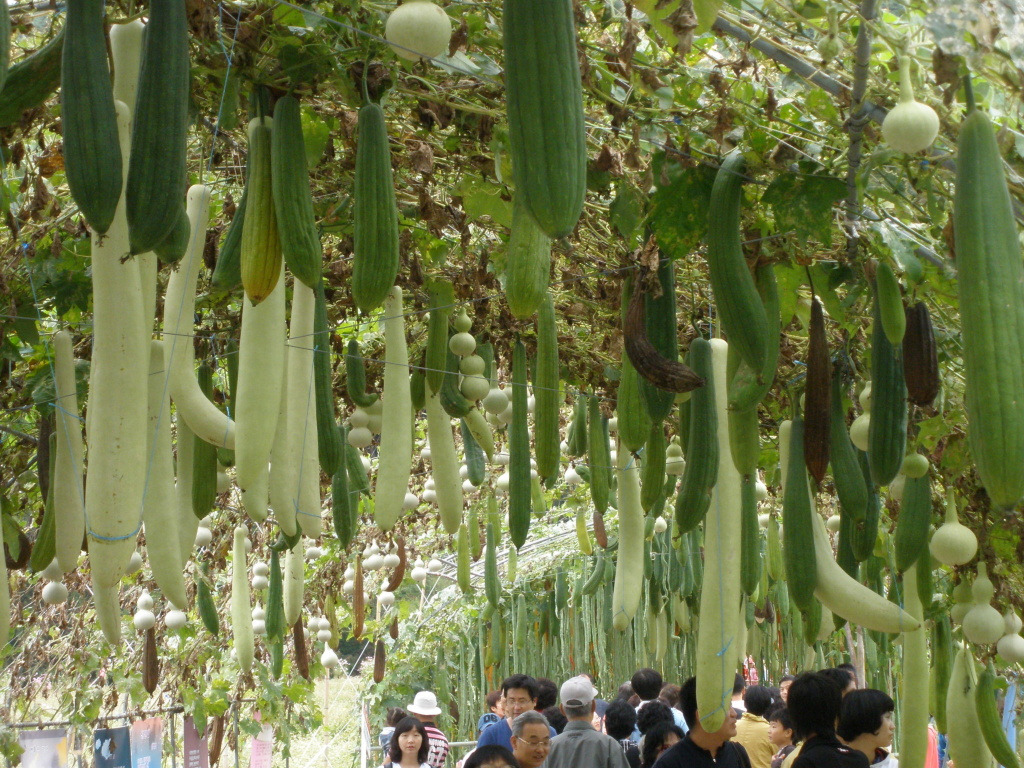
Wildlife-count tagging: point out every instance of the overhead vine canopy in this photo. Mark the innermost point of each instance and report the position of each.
(798, 89)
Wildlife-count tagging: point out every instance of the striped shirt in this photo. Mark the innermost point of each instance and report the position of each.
(438, 746)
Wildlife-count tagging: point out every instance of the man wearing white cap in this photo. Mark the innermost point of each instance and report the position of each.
(424, 708)
(579, 745)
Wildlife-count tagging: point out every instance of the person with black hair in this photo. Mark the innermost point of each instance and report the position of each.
(738, 686)
(409, 745)
(780, 732)
(555, 718)
(701, 748)
(547, 694)
(493, 714)
(848, 667)
(814, 702)
(752, 727)
(865, 724)
(491, 756)
(844, 678)
(393, 717)
(646, 683)
(654, 712)
(519, 695)
(658, 739)
(784, 682)
(619, 722)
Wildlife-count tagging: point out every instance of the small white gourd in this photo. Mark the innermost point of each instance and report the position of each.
(144, 619)
(833, 523)
(962, 601)
(175, 619)
(910, 126)
(54, 592)
(572, 477)
(859, 431)
(329, 659)
(953, 543)
(983, 624)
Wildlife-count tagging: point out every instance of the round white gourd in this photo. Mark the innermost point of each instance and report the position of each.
(258, 612)
(675, 465)
(134, 564)
(760, 491)
(358, 418)
(572, 477)
(411, 500)
(386, 599)
(910, 126)
(312, 553)
(425, 453)
(463, 471)
(472, 365)
(660, 525)
(983, 624)
(348, 587)
(467, 486)
(430, 496)
(391, 560)
(915, 465)
(953, 543)
(475, 387)
(859, 431)
(259, 568)
(896, 487)
(144, 619)
(462, 344)
(260, 583)
(373, 563)
(501, 484)
(51, 572)
(360, 437)
(145, 601)
(833, 523)
(329, 659)
(375, 423)
(203, 536)
(501, 459)
(175, 619)
(323, 635)
(54, 592)
(1011, 648)
(419, 574)
(763, 519)
(434, 566)
(1012, 622)
(495, 401)
(259, 626)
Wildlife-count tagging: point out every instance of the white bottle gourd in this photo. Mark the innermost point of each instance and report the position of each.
(203, 417)
(913, 744)
(159, 512)
(717, 628)
(115, 477)
(188, 523)
(1011, 645)
(910, 126)
(302, 411)
(68, 491)
(241, 612)
(953, 543)
(983, 624)
(261, 361)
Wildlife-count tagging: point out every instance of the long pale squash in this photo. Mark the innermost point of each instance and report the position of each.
(545, 390)
(527, 263)
(204, 418)
(126, 42)
(302, 405)
(966, 743)
(156, 171)
(159, 512)
(395, 464)
(188, 523)
(241, 611)
(261, 359)
(283, 463)
(92, 161)
(444, 464)
(914, 706)
(293, 584)
(629, 563)
(991, 284)
(66, 483)
(545, 111)
(717, 633)
(117, 406)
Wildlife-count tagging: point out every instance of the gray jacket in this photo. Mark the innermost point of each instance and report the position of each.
(580, 746)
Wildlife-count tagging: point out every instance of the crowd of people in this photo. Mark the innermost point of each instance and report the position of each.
(814, 720)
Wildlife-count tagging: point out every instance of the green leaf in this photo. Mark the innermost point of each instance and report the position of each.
(679, 207)
(789, 278)
(626, 212)
(315, 133)
(481, 198)
(802, 203)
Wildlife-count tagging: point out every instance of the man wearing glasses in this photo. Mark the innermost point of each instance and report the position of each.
(519, 695)
(531, 739)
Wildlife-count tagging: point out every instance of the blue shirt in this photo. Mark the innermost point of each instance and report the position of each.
(501, 733)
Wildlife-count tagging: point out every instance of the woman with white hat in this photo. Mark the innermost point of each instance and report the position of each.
(424, 708)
